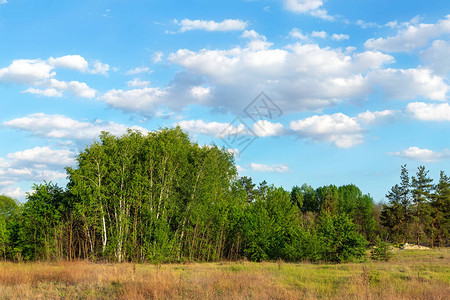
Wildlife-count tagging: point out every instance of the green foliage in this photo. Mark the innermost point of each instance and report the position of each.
(381, 251)
(340, 240)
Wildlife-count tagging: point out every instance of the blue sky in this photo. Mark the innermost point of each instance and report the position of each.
(357, 88)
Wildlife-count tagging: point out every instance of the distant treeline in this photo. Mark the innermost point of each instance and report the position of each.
(161, 198)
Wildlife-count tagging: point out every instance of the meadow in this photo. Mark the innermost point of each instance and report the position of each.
(411, 274)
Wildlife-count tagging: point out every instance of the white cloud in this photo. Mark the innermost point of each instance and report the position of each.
(74, 62)
(371, 117)
(43, 155)
(261, 128)
(79, 89)
(311, 7)
(240, 169)
(257, 41)
(264, 128)
(138, 70)
(29, 71)
(39, 73)
(157, 57)
(3, 1)
(200, 92)
(44, 92)
(297, 34)
(225, 25)
(410, 83)
(215, 129)
(145, 100)
(339, 37)
(136, 82)
(277, 168)
(99, 68)
(339, 129)
(437, 56)
(62, 127)
(412, 37)
(319, 34)
(422, 155)
(429, 112)
(13, 192)
(300, 77)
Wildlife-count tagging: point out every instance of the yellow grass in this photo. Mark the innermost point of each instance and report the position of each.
(410, 275)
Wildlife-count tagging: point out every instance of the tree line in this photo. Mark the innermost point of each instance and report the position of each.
(158, 197)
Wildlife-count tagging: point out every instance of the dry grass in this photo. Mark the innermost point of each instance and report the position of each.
(410, 275)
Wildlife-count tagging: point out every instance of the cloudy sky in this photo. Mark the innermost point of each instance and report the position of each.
(353, 89)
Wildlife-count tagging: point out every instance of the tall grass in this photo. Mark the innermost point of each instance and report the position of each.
(410, 275)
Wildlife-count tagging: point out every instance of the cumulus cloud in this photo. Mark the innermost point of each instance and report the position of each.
(300, 77)
(428, 111)
(339, 129)
(44, 92)
(40, 73)
(437, 57)
(36, 164)
(13, 192)
(138, 70)
(136, 82)
(339, 37)
(261, 128)
(28, 71)
(422, 155)
(225, 25)
(99, 68)
(74, 62)
(277, 168)
(410, 83)
(63, 127)
(296, 33)
(371, 117)
(319, 34)
(311, 7)
(145, 100)
(412, 37)
(43, 156)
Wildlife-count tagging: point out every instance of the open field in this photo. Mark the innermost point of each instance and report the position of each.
(409, 275)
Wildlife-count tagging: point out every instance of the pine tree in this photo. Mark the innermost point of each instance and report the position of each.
(422, 186)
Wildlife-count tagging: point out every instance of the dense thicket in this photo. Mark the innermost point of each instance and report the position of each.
(159, 197)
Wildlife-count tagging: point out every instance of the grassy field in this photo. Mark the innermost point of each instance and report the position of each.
(411, 274)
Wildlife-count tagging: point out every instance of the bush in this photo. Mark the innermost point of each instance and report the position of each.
(381, 251)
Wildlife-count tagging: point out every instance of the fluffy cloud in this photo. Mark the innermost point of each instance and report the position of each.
(136, 82)
(28, 71)
(278, 168)
(311, 7)
(74, 62)
(261, 128)
(138, 70)
(62, 127)
(145, 100)
(429, 112)
(44, 92)
(370, 117)
(410, 83)
(437, 56)
(422, 155)
(225, 25)
(412, 37)
(99, 68)
(301, 77)
(339, 37)
(43, 156)
(319, 34)
(13, 192)
(39, 73)
(339, 129)
(36, 164)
